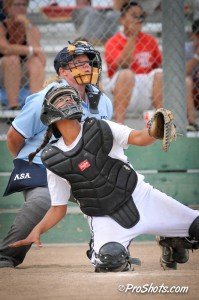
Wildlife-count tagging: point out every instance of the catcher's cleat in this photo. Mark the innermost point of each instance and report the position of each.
(171, 255)
(5, 263)
(181, 256)
(166, 260)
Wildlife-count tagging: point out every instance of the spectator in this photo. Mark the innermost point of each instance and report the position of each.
(104, 22)
(19, 47)
(149, 6)
(133, 52)
(133, 60)
(192, 61)
(103, 18)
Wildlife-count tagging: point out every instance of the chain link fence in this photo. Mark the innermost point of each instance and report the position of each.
(145, 65)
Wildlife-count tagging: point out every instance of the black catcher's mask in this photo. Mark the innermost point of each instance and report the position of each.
(70, 52)
(61, 103)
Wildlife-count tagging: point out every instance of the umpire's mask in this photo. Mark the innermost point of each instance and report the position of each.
(61, 103)
(70, 52)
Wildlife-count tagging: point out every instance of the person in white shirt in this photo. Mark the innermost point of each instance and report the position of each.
(88, 159)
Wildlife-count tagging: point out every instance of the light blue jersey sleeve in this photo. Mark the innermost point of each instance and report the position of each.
(28, 122)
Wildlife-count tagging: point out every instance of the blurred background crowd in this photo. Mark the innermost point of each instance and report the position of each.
(130, 43)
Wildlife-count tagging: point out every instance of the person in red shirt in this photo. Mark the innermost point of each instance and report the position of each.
(134, 61)
(143, 53)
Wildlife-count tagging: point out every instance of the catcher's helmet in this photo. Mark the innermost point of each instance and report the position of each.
(70, 52)
(61, 103)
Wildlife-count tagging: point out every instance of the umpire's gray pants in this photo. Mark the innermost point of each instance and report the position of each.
(37, 203)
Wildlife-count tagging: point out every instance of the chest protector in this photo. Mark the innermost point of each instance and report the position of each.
(101, 185)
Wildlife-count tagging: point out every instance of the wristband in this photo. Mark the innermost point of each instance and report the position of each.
(30, 51)
(196, 56)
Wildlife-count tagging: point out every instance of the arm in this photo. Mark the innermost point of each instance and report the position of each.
(33, 37)
(59, 190)
(117, 55)
(157, 54)
(32, 33)
(125, 57)
(140, 138)
(52, 217)
(15, 141)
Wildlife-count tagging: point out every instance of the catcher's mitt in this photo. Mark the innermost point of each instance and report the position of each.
(161, 127)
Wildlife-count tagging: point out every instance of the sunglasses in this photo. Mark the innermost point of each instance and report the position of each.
(140, 18)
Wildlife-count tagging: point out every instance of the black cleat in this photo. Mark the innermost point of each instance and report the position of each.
(166, 260)
(180, 255)
(5, 263)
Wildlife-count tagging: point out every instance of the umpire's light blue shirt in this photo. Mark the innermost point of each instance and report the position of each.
(28, 123)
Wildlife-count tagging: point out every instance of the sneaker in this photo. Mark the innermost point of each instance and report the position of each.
(5, 263)
(193, 127)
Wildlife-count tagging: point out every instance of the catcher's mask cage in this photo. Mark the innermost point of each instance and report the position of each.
(70, 52)
(61, 103)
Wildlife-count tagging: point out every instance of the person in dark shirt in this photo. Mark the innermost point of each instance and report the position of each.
(19, 46)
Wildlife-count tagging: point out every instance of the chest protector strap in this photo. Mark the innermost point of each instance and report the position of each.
(101, 185)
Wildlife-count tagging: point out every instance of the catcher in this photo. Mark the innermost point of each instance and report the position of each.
(88, 159)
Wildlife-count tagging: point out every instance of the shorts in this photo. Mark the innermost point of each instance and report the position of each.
(141, 98)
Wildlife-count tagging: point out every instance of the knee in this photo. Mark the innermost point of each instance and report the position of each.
(112, 257)
(194, 229)
(10, 61)
(126, 77)
(35, 65)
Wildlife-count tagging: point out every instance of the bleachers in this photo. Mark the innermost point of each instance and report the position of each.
(57, 32)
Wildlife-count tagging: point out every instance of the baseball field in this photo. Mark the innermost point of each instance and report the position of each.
(64, 272)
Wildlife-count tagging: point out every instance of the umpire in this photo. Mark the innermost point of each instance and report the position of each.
(79, 65)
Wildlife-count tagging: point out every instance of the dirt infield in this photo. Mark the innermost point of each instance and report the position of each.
(64, 272)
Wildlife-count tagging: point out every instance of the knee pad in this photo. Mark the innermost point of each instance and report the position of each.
(112, 257)
(194, 229)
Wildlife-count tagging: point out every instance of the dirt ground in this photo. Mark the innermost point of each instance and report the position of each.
(64, 272)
